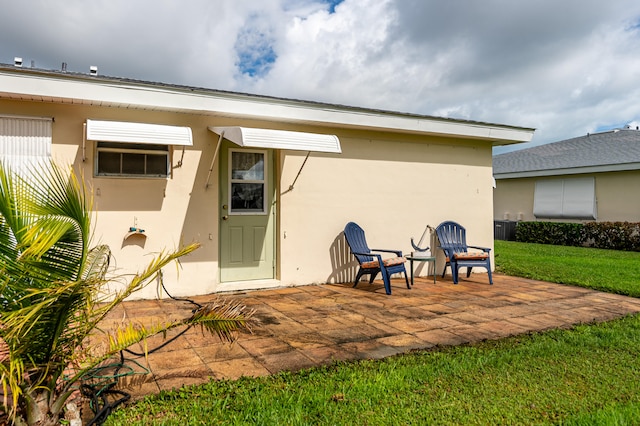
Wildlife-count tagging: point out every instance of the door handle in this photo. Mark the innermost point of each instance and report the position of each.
(225, 217)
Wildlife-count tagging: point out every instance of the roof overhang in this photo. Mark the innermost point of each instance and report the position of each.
(73, 88)
(143, 133)
(279, 139)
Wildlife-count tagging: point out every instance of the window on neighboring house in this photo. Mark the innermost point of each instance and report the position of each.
(25, 142)
(572, 198)
(130, 159)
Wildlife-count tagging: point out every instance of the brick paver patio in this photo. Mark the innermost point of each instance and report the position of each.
(313, 325)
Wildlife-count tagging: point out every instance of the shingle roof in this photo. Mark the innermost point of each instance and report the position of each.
(617, 148)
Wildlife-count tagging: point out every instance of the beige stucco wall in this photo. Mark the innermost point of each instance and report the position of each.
(513, 199)
(617, 197)
(391, 188)
(392, 185)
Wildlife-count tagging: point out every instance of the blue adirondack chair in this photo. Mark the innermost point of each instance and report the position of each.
(372, 263)
(453, 241)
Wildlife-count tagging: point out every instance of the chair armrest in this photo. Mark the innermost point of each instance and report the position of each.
(484, 249)
(397, 252)
(377, 256)
(363, 253)
(368, 254)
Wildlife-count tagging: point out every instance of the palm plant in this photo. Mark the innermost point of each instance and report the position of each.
(52, 294)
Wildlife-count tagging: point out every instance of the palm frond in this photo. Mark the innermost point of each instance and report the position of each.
(97, 263)
(60, 192)
(223, 318)
(49, 320)
(131, 333)
(12, 373)
(45, 232)
(143, 278)
(13, 219)
(119, 339)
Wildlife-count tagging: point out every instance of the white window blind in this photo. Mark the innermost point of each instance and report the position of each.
(565, 198)
(25, 142)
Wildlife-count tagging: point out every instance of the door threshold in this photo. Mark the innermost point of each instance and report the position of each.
(248, 285)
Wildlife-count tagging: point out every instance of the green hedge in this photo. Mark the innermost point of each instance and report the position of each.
(606, 235)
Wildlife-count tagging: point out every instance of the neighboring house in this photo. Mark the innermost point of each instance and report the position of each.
(265, 184)
(595, 177)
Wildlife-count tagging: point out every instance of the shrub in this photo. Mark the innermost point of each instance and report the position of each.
(605, 235)
(557, 233)
(612, 235)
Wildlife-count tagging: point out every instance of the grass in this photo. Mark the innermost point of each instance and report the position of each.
(583, 376)
(606, 270)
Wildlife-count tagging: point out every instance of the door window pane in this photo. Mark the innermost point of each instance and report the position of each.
(247, 190)
(247, 197)
(247, 166)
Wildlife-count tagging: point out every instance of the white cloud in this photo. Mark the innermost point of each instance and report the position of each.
(566, 68)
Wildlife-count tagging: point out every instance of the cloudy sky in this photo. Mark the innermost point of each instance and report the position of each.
(565, 67)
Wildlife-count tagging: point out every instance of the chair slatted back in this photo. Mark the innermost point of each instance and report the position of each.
(452, 237)
(357, 242)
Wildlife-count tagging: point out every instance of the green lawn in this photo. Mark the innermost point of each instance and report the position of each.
(584, 376)
(606, 270)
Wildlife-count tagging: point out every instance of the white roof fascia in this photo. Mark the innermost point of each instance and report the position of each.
(127, 132)
(92, 90)
(279, 139)
(570, 171)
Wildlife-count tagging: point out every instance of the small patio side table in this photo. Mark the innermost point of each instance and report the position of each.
(427, 259)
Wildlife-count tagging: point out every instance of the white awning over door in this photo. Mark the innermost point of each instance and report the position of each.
(279, 139)
(127, 132)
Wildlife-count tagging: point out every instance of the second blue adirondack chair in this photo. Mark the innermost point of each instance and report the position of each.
(453, 241)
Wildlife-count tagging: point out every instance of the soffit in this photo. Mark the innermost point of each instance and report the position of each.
(74, 89)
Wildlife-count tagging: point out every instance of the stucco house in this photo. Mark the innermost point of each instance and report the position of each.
(595, 177)
(265, 184)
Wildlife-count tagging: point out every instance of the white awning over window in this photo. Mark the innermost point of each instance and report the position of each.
(122, 131)
(279, 139)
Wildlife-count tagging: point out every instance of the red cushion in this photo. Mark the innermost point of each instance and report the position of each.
(387, 262)
(471, 256)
